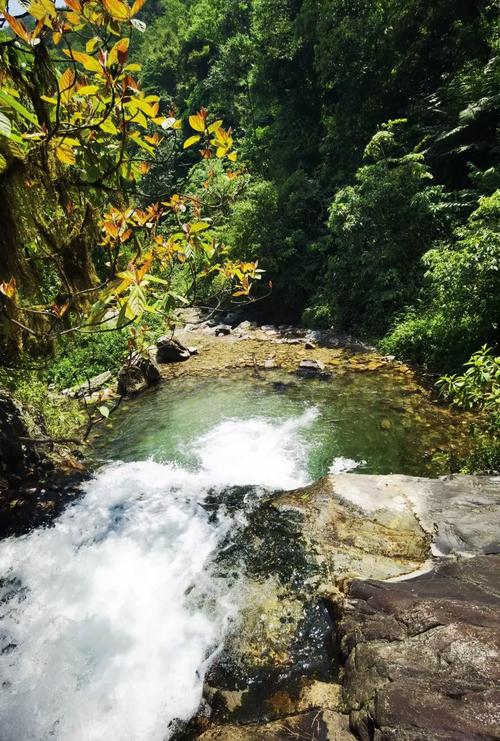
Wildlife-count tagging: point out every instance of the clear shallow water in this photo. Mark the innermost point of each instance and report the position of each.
(370, 422)
(109, 619)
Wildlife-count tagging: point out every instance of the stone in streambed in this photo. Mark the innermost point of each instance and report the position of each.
(136, 375)
(312, 369)
(222, 329)
(169, 350)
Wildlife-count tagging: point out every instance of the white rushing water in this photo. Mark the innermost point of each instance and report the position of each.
(99, 638)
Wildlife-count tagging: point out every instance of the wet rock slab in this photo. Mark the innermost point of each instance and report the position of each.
(411, 647)
(423, 655)
(322, 725)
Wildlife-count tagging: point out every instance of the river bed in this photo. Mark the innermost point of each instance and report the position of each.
(111, 618)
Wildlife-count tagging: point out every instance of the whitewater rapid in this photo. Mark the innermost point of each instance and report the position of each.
(109, 618)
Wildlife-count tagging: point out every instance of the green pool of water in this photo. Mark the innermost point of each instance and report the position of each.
(368, 422)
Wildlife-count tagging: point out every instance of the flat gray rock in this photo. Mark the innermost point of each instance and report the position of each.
(460, 513)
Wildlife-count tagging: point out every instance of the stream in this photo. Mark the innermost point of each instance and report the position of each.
(111, 617)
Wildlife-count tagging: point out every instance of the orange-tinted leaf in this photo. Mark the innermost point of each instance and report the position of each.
(17, 26)
(119, 52)
(67, 85)
(136, 7)
(74, 5)
(8, 289)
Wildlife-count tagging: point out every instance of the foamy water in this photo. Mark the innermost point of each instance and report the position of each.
(102, 634)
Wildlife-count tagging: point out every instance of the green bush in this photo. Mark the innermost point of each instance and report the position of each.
(380, 227)
(45, 413)
(318, 316)
(460, 304)
(478, 388)
(87, 355)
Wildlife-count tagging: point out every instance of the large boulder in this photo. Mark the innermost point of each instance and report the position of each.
(169, 350)
(137, 374)
(423, 655)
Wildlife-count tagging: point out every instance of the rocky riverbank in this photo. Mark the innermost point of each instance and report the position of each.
(322, 647)
(371, 604)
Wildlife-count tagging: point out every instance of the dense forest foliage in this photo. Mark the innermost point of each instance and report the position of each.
(370, 132)
(349, 149)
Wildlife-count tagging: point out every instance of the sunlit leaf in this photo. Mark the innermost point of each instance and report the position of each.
(8, 288)
(197, 123)
(67, 85)
(17, 106)
(117, 9)
(90, 64)
(5, 126)
(119, 52)
(192, 140)
(88, 90)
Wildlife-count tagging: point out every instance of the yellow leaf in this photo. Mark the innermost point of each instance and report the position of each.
(90, 64)
(65, 154)
(197, 123)
(137, 6)
(88, 90)
(67, 85)
(91, 44)
(117, 9)
(139, 118)
(189, 142)
(108, 127)
(232, 156)
(52, 101)
(132, 67)
(142, 105)
(8, 289)
(119, 52)
(216, 125)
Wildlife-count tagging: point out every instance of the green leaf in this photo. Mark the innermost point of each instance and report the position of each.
(104, 411)
(198, 227)
(5, 126)
(17, 106)
(178, 297)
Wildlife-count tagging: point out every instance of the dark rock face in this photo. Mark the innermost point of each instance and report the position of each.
(423, 655)
(169, 350)
(16, 458)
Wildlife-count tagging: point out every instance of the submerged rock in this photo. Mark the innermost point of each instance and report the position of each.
(423, 655)
(169, 350)
(312, 369)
